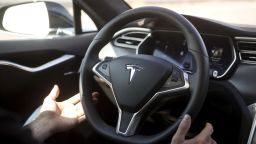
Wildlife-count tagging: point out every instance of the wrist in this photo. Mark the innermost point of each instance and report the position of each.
(42, 127)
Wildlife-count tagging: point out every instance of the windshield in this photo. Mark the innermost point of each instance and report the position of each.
(240, 12)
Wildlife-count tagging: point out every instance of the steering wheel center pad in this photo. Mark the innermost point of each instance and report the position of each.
(136, 78)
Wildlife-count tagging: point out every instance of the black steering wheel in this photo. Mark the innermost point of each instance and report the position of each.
(138, 82)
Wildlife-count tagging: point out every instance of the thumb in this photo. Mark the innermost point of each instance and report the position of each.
(183, 127)
(54, 93)
(207, 131)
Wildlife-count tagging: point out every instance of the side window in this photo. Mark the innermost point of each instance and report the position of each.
(42, 19)
(87, 23)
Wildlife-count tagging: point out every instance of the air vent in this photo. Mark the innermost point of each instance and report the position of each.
(130, 39)
(247, 46)
(247, 52)
(137, 35)
(248, 57)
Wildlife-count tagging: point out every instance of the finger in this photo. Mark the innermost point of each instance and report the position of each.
(183, 127)
(95, 96)
(213, 141)
(74, 99)
(206, 132)
(190, 141)
(81, 118)
(54, 93)
(79, 109)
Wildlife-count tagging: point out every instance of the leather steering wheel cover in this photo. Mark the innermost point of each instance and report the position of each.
(200, 76)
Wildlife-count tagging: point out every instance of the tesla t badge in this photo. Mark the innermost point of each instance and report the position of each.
(133, 69)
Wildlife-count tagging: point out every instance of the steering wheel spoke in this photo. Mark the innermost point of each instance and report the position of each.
(127, 122)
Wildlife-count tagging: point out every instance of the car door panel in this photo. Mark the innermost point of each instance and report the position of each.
(69, 44)
(30, 68)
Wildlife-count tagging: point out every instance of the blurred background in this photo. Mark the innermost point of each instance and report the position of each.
(241, 12)
(237, 12)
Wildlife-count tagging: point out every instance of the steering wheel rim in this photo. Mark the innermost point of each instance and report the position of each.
(199, 79)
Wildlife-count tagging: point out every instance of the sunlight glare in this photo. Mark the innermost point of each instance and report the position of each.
(30, 18)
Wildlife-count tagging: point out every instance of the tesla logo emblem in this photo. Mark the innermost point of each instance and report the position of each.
(133, 69)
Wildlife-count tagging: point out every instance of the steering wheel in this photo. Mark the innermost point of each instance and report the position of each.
(139, 82)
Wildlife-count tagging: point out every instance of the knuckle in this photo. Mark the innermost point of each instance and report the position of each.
(183, 126)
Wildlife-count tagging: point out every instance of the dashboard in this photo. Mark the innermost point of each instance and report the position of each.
(172, 46)
(231, 50)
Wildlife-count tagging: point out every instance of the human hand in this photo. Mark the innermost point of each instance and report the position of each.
(66, 113)
(204, 137)
(58, 116)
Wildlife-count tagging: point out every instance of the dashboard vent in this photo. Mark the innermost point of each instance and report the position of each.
(247, 46)
(124, 41)
(131, 39)
(137, 35)
(247, 52)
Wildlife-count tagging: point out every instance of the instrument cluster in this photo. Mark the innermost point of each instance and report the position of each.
(172, 46)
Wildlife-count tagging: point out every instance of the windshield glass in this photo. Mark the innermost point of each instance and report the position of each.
(240, 12)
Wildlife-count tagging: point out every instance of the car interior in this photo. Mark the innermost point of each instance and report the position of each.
(150, 65)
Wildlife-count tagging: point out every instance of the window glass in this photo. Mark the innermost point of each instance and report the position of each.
(87, 24)
(31, 19)
(240, 12)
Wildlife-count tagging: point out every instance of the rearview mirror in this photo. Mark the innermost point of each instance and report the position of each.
(36, 18)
